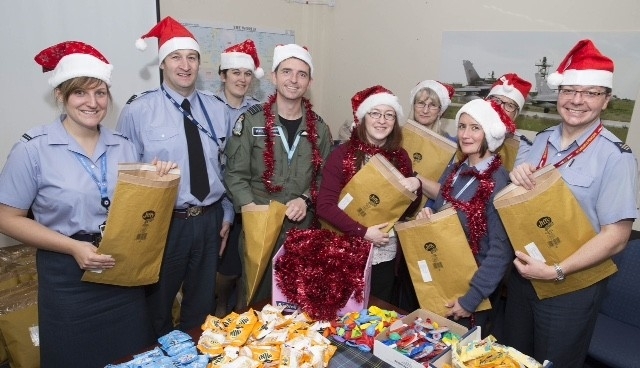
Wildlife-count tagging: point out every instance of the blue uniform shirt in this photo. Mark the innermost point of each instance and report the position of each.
(43, 172)
(232, 113)
(603, 178)
(156, 128)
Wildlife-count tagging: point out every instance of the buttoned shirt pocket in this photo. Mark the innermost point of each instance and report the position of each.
(162, 133)
(576, 178)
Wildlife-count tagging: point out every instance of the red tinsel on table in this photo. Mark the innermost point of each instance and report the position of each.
(268, 154)
(320, 270)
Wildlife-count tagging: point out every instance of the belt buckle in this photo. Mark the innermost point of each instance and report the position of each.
(194, 211)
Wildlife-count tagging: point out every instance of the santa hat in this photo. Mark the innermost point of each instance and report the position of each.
(444, 91)
(242, 55)
(71, 59)
(171, 36)
(363, 101)
(584, 65)
(494, 121)
(513, 87)
(284, 52)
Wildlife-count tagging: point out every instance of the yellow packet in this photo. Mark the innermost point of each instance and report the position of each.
(265, 354)
(240, 329)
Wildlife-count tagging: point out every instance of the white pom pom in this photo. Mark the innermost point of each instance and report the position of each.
(554, 80)
(508, 87)
(259, 73)
(140, 44)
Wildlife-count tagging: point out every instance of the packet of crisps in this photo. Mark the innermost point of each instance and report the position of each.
(262, 328)
(290, 357)
(265, 354)
(276, 337)
(211, 343)
(240, 329)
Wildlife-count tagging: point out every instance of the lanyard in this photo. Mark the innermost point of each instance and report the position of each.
(285, 143)
(577, 151)
(211, 133)
(102, 185)
(455, 178)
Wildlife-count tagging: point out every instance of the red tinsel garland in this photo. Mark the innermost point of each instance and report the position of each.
(320, 270)
(268, 154)
(356, 145)
(474, 209)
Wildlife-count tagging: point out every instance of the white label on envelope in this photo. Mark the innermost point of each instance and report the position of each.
(534, 252)
(424, 271)
(344, 202)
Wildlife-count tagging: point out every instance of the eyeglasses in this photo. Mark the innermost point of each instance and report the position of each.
(567, 92)
(388, 116)
(507, 106)
(421, 105)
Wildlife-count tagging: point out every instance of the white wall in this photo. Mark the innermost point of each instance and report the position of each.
(28, 26)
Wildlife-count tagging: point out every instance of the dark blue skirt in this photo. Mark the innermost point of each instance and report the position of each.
(85, 324)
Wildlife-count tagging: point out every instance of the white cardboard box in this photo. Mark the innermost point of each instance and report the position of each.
(396, 359)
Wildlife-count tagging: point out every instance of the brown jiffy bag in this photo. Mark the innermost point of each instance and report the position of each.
(439, 260)
(374, 195)
(430, 152)
(548, 223)
(137, 225)
(262, 225)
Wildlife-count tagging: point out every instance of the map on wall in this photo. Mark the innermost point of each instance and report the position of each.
(214, 39)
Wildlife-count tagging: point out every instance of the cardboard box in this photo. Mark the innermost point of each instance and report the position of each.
(396, 359)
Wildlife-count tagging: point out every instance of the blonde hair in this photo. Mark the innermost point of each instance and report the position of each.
(428, 93)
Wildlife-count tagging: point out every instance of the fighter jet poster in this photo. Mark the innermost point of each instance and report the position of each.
(472, 61)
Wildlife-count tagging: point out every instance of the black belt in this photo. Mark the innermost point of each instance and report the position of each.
(193, 211)
(93, 238)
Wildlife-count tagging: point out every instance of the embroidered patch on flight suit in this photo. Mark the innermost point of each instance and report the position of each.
(262, 132)
(237, 127)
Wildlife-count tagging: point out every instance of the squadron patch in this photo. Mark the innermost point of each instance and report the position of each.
(624, 148)
(237, 127)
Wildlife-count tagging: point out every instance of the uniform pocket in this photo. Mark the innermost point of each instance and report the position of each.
(162, 133)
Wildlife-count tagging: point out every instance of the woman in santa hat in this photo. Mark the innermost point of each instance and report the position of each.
(376, 114)
(470, 186)
(239, 68)
(429, 100)
(65, 173)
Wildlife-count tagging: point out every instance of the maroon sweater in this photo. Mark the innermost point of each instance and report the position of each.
(331, 186)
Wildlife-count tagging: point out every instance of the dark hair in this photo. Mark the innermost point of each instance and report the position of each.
(69, 86)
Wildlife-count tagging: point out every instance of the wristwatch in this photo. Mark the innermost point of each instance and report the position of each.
(307, 200)
(559, 272)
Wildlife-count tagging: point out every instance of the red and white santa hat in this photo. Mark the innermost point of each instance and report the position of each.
(494, 121)
(584, 65)
(284, 52)
(444, 91)
(171, 36)
(71, 59)
(512, 86)
(242, 55)
(362, 102)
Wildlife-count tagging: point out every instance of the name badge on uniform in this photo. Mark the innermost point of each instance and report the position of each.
(262, 132)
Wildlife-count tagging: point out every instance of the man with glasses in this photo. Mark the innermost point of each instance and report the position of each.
(277, 149)
(511, 91)
(601, 172)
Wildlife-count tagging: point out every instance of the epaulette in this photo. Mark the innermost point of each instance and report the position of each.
(623, 147)
(138, 95)
(33, 133)
(206, 92)
(116, 133)
(255, 109)
(526, 140)
(545, 130)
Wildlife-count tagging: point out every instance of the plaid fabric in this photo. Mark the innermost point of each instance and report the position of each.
(350, 357)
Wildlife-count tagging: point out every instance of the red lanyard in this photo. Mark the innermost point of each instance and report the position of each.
(577, 151)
